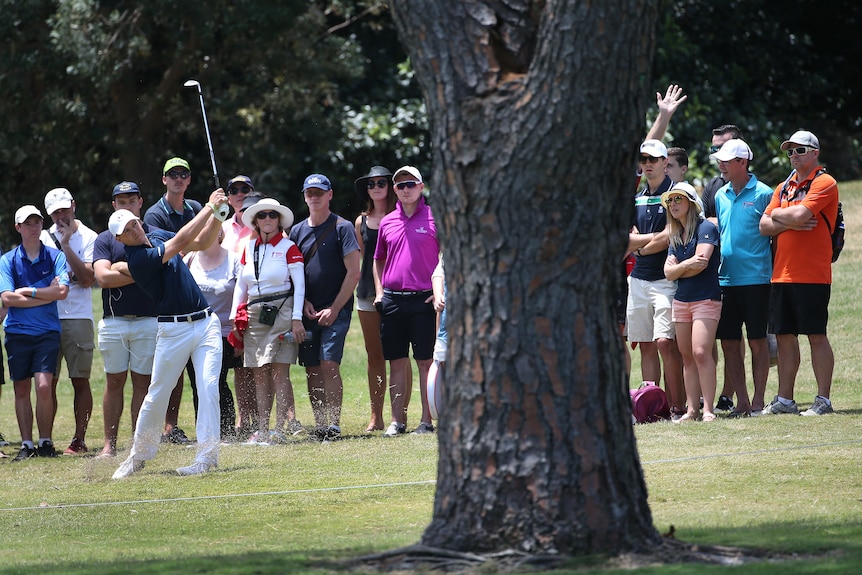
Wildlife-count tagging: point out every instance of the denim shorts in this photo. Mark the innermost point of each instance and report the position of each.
(327, 342)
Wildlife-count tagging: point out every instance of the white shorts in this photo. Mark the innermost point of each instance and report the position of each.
(128, 343)
(649, 310)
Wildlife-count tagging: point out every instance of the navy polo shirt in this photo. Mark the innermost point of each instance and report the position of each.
(162, 216)
(170, 284)
(129, 299)
(650, 217)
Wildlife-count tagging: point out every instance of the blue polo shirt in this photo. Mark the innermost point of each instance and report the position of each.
(650, 217)
(129, 300)
(170, 284)
(16, 270)
(746, 256)
(162, 216)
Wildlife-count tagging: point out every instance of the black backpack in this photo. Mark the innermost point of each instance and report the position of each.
(837, 232)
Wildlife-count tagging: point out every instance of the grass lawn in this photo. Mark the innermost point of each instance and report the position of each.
(787, 484)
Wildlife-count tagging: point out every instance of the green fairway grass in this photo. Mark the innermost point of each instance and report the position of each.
(786, 484)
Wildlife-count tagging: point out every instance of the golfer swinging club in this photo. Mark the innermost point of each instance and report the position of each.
(187, 328)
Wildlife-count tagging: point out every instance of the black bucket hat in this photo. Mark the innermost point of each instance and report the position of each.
(361, 184)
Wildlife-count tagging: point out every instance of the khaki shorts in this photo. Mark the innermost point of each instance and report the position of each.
(261, 343)
(128, 344)
(76, 346)
(649, 310)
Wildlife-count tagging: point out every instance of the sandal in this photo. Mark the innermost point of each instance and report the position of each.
(707, 417)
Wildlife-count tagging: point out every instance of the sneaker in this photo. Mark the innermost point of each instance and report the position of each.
(294, 427)
(176, 436)
(775, 407)
(196, 468)
(3, 442)
(820, 407)
(724, 403)
(46, 449)
(333, 433)
(258, 438)
(424, 428)
(128, 467)
(77, 447)
(277, 436)
(739, 414)
(395, 429)
(25, 453)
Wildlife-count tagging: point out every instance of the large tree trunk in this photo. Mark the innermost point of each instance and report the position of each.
(536, 110)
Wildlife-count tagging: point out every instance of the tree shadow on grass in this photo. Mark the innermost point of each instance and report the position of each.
(816, 549)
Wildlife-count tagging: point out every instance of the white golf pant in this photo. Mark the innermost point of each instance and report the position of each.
(175, 343)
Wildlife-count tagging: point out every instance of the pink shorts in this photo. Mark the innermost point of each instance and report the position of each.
(688, 311)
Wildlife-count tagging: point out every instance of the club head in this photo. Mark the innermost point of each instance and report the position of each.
(192, 84)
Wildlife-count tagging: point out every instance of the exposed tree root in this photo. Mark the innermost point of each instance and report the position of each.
(423, 558)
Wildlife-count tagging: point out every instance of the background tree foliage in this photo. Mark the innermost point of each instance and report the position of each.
(93, 91)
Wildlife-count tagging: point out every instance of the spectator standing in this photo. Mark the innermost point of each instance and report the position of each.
(171, 213)
(800, 216)
(650, 297)
(744, 273)
(241, 195)
(405, 257)
(187, 329)
(677, 164)
(127, 330)
(331, 253)
(692, 262)
(32, 279)
(271, 288)
(76, 241)
(376, 190)
(215, 270)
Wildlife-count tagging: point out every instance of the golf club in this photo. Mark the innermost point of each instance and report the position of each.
(196, 84)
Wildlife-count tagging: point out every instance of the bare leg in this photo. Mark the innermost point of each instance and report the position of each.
(692, 383)
(83, 405)
(44, 403)
(823, 362)
(112, 410)
(399, 389)
(702, 346)
(316, 394)
(673, 380)
(424, 365)
(24, 408)
(788, 364)
(734, 372)
(285, 407)
(140, 385)
(264, 395)
(650, 364)
(760, 371)
(370, 322)
(173, 413)
(333, 389)
(246, 400)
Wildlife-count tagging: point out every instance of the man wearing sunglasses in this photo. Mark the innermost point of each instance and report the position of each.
(649, 303)
(405, 257)
(800, 218)
(171, 213)
(331, 251)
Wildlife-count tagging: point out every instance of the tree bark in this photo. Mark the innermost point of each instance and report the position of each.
(536, 110)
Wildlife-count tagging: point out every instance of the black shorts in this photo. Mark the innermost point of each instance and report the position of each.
(29, 354)
(799, 308)
(747, 305)
(406, 320)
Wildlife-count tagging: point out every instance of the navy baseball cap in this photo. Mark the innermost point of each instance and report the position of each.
(316, 181)
(126, 188)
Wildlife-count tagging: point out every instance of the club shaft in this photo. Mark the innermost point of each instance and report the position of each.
(209, 139)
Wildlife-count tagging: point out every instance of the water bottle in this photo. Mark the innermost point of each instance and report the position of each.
(287, 336)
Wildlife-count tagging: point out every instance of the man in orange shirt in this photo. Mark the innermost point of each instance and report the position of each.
(800, 216)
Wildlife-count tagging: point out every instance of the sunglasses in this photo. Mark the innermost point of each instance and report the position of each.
(409, 185)
(800, 151)
(270, 215)
(675, 200)
(714, 149)
(234, 190)
(181, 175)
(650, 159)
(379, 184)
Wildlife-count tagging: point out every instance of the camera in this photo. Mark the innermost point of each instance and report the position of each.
(268, 313)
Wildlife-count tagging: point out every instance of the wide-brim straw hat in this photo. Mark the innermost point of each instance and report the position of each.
(265, 205)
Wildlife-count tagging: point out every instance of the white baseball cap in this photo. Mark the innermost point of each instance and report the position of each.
(57, 199)
(801, 138)
(731, 150)
(119, 220)
(25, 212)
(654, 148)
(414, 172)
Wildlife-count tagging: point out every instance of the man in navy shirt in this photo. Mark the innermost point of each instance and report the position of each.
(187, 329)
